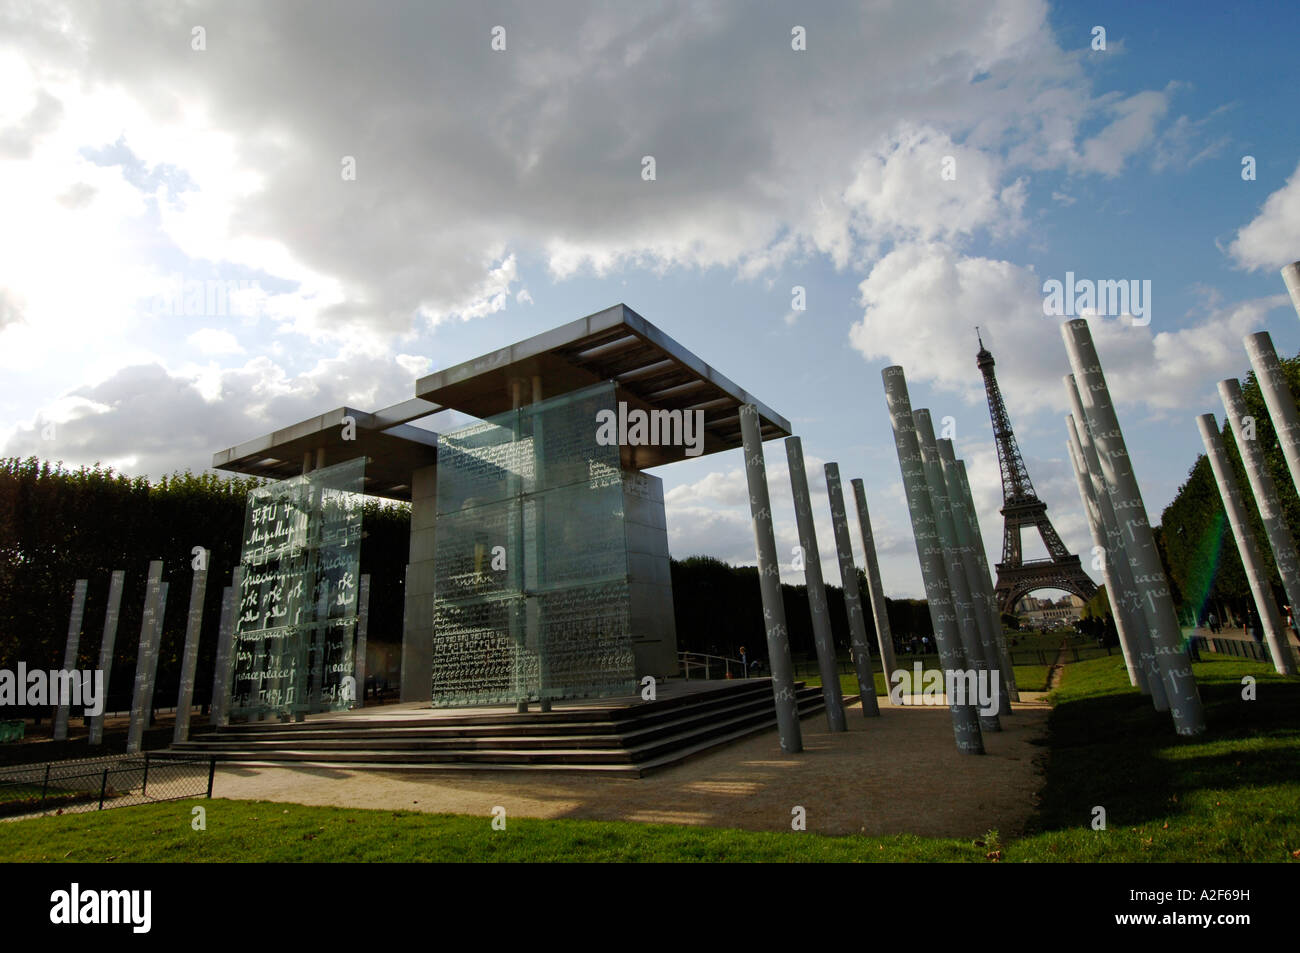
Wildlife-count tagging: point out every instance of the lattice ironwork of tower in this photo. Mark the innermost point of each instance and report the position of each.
(1021, 508)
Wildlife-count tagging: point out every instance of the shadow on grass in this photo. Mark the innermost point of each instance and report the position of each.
(1110, 748)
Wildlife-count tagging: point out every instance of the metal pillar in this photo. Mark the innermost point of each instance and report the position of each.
(1277, 396)
(965, 719)
(1150, 679)
(1274, 631)
(1262, 487)
(876, 592)
(852, 598)
(1126, 499)
(972, 638)
(70, 657)
(985, 606)
(359, 653)
(1136, 676)
(815, 587)
(106, 645)
(1291, 275)
(190, 657)
(769, 582)
(986, 582)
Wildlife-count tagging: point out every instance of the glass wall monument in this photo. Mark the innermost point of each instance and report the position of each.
(298, 598)
(532, 599)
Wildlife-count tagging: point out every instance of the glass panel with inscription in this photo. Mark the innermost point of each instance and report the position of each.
(531, 595)
(298, 599)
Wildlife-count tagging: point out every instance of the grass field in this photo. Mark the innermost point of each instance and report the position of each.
(1233, 794)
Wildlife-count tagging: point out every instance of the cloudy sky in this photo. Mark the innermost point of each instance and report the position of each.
(500, 192)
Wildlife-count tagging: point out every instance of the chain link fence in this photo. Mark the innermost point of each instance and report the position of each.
(96, 783)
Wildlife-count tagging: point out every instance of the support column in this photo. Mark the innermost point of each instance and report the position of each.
(876, 592)
(1136, 677)
(146, 658)
(359, 653)
(1277, 396)
(852, 597)
(219, 710)
(1274, 631)
(965, 719)
(190, 658)
(1126, 499)
(972, 639)
(984, 609)
(1291, 275)
(1276, 530)
(816, 588)
(70, 657)
(417, 630)
(986, 582)
(769, 582)
(106, 645)
(1150, 679)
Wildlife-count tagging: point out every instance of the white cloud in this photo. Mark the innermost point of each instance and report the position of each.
(1272, 238)
(214, 341)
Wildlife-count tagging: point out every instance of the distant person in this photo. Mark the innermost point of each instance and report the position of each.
(1213, 622)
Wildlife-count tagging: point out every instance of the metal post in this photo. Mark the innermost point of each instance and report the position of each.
(852, 597)
(106, 647)
(1126, 499)
(212, 774)
(769, 581)
(45, 785)
(144, 782)
(142, 698)
(70, 658)
(103, 788)
(190, 658)
(985, 581)
(875, 591)
(965, 720)
(1251, 561)
(1150, 678)
(1270, 508)
(359, 653)
(1109, 562)
(988, 621)
(823, 641)
(1277, 396)
(968, 619)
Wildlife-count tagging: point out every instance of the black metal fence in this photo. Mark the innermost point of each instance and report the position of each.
(1235, 647)
(97, 783)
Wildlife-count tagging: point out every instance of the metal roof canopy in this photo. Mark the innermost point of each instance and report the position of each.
(651, 371)
(393, 451)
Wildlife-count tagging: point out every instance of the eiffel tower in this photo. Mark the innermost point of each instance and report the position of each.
(1022, 508)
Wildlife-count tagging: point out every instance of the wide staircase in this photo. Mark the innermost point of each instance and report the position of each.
(633, 739)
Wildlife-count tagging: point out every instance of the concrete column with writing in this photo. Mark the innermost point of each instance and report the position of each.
(1277, 397)
(222, 665)
(852, 598)
(986, 581)
(968, 619)
(70, 658)
(876, 591)
(984, 617)
(1291, 277)
(1136, 677)
(823, 641)
(145, 660)
(934, 575)
(190, 655)
(1150, 679)
(107, 643)
(1251, 561)
(769, 583)
(1276, 531)
(359, 654)
(1140, 544)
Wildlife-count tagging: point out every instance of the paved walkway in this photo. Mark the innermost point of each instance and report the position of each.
(899, 773)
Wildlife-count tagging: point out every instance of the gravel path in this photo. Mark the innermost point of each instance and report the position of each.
(897, 774)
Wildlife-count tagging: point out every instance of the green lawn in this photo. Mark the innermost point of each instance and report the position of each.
(1232, 795)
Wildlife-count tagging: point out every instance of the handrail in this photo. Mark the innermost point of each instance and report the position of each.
(686, 661)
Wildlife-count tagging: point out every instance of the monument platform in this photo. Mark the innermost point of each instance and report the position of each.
(619, 736)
